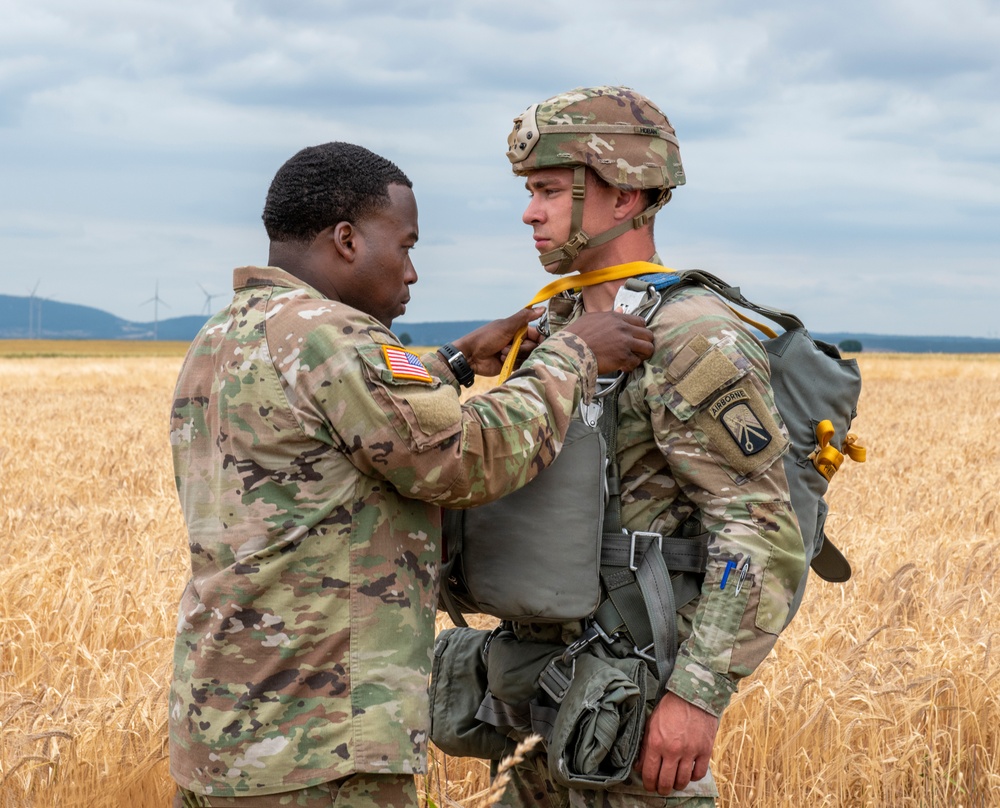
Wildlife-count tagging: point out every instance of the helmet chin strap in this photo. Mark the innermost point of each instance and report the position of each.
(579, 240)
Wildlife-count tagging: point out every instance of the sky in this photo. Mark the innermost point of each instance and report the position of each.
(842, 159)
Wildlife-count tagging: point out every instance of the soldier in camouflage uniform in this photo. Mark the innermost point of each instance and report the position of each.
(312, 454)
(599, 162)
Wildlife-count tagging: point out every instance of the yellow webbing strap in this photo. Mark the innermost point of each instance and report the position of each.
(826, 458)
(578, 281)
(764, 329)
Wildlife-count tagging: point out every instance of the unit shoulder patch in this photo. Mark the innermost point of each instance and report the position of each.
(739, 425)
(405, 365)
(747, 430)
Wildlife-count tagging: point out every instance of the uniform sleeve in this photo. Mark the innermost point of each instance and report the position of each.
(714, 418)
(408, 427)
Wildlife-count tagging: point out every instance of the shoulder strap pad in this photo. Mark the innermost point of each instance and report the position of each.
(659, 280)
(732, 294)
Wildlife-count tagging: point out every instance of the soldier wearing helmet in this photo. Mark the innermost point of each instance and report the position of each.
(599, 163)
(616, 133)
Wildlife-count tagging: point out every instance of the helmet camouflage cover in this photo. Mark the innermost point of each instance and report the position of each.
(615, 131)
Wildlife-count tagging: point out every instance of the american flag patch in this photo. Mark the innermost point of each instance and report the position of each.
(405, 365)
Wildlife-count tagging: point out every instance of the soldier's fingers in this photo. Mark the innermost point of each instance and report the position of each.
(683, 774)
(700, 768)
(644, 345)
(632, 319)
(651, 764)
(668, 777)
(524, 316)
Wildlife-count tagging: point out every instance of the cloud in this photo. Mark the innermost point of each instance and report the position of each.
(857, 140)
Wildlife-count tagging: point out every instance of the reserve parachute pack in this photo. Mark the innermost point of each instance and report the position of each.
(555, 550)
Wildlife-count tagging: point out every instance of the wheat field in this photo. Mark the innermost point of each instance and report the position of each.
(883, 692)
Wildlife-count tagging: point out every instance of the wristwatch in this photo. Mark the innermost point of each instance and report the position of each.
(459, 365)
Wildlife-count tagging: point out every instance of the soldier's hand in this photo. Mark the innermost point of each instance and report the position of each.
(676, 746)
(619, 341)
(532, 339)
(486, 347)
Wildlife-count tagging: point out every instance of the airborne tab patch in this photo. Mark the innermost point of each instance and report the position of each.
(405, 365)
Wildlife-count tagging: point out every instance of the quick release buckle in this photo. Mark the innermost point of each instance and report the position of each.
(591, 413)
(631, 548)
(553, 679)
(591, 634)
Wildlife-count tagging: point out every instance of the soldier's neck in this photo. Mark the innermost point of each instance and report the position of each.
(601, 296)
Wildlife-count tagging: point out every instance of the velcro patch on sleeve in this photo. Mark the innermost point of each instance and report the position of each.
(739, 424)
(713, 371)
(405, 365)
(436, 410)
(687, 356)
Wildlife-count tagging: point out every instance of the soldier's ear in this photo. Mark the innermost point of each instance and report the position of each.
(344, 238)
(626, 204)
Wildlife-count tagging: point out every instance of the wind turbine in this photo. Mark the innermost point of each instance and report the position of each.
(31, 312)
(208, 300)
(156, 301)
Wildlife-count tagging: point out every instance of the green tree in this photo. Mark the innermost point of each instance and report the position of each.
(405, 338)
(850, 346)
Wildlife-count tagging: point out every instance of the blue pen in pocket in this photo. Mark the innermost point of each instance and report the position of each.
(730, 566)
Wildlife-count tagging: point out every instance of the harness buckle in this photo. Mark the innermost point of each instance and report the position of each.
(591, 413)
(631, 549)
(644, 653)
(553, 678)
(554, 681)
(485, 653)
(591, 634)
(628, 300)
(608, 384)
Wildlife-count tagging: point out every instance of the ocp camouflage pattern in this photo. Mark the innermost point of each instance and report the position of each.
(643, 154)
(677, 458)
(311, 482)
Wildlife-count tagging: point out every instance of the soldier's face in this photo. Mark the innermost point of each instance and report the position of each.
(382, 271)
(550, 211)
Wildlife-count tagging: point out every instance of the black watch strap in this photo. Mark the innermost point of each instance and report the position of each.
(459, 365)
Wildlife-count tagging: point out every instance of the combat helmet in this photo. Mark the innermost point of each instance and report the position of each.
(615, 131)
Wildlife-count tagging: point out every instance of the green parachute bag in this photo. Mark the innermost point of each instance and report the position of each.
(816, 391)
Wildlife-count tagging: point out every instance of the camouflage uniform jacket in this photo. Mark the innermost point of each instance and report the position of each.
(311, 477)
(681, 450)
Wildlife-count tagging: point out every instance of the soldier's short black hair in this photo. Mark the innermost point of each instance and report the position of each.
(323, 185)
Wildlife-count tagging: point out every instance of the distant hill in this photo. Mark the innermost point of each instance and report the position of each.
(889, 343)
(49, 319)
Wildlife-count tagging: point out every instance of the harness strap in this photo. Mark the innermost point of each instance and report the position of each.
(451, 548)
(641, 594)
(680, 554)
(608, 423)
(568, 282)
(624, 610)
(686, 588)
(787, 321)
(653, 579)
